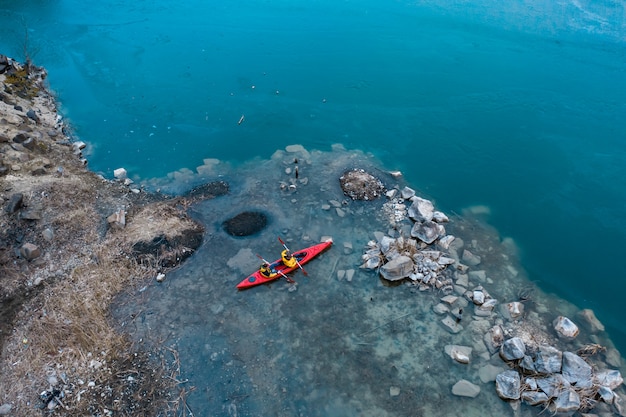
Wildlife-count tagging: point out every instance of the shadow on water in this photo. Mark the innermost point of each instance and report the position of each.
(328, 345)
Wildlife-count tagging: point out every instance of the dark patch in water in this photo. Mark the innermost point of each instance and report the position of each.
(245, 224)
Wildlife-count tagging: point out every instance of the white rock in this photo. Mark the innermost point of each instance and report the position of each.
(451, 325)
(478, 297)
(160, 277)
(439, 217)
(407, 193)
(349, 274)
(565, 328)
(120, 173)
(460, 354)
(515, 309)
(394, 391)
(445, 241)
(470, 259)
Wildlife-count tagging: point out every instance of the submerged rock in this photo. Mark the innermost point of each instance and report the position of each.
(464, 388)
(508, 385)
(245, 224)
(427, 231)
(397, 269)
(360, 185)
(565, 328)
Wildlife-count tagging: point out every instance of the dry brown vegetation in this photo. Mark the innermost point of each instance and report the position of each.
(56, 336)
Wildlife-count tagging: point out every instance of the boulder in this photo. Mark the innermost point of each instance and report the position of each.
(397, 269)
(513, 349)
(528, 365)
(493, 338)
(439, 217)
(421, 210)
(407, 193)
(567, 401)
(469, 258)
(548, 360)
(590, 321)
(426, 231)
(30, 251)
(464, 388)
(565, 328)
(451, 325)
(534, 397)
(508, 385)
(553, 384)
(445, 241)
(576, 371)
(515, 309)
(606, 394)
(488, 373)
(610, 378)
(120, 173)
(15, 203)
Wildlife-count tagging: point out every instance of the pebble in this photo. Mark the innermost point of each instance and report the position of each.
(160, 277)
(464, 388)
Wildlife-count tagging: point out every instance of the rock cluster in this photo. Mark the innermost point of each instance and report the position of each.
(419, 252)
(360, 185)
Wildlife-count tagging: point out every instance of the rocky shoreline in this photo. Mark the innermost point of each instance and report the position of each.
(71, 240)
(550, 365)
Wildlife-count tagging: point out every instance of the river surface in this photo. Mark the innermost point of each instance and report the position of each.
(514, 108)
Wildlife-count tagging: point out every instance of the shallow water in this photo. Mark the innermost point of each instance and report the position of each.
(332, 347)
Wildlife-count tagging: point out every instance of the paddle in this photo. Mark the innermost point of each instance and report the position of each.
(294, 257)
(289, 280)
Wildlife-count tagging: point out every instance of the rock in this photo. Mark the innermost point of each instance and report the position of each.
(576, 371)
(489, 372)
(494, 338)
(513, 349)
(462, 280)
(470, 259)
(440, 309)
(515, 309)
(451, 325)
(48, 234)
(439, 217)
(120, 173)
(613, 357)
(548, 360)
(460, 354)
(611, 378)
(160, 277)
(347, 248)
(508, 385)
(394, 391)
(464, 388)
(407, 193)
(527, 364)
(552, 385)
(479, 276)
(33, 212)
(421, 210)
(590, 321)
(565, 328)
(606, 394)
(478, 297)
(246, 223)
(449, 299)
(32, 115)
(397, 269)
(534, 397)
(427, 231)
(117, 220)
(15, 203)
(446, 241)
(5, 409)
(340, 212)
(360, 185)
(30, 251)
(349, 275)
(567, 401)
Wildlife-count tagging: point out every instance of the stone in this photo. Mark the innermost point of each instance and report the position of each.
(394, 391)
(567, 401)
(613, 357)
(120, 173)
(397, 269)
(462, 280)
(407, 193)
(341, 274)
(160, 277)
(527, 364)
(478, 297)
(451, 325)
(449, 299)
(513, 349)
(469, 258)
(5, 409)
(48, 234)
(548, 360)
(421, 210)
(117, 220)
(340, 212)
(494, 338)
(15, 203)
(440, 309)
(460, 354)
(576, 371)
(30, 251)
(590, 321)
(246, 223)
(464, 388)
(349, 275)
(606, 394)
(534, 397)
(489, 372)
(552, 385)
(515, 309)
(565, 328)
(360, 185)
(426, 231)
(439, 217)
(508, 385)
(446, 241)
(32, 115)
(347, 248)
(610, 378)
(480, 276)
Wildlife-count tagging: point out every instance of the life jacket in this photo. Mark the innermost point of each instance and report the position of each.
(288, 260)
(265, 270)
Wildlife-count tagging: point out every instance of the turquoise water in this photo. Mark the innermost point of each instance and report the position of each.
(517, 106)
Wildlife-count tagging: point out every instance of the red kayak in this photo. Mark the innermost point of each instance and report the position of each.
(303, 256)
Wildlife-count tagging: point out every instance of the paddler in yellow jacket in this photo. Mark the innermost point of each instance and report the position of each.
(288, 259)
